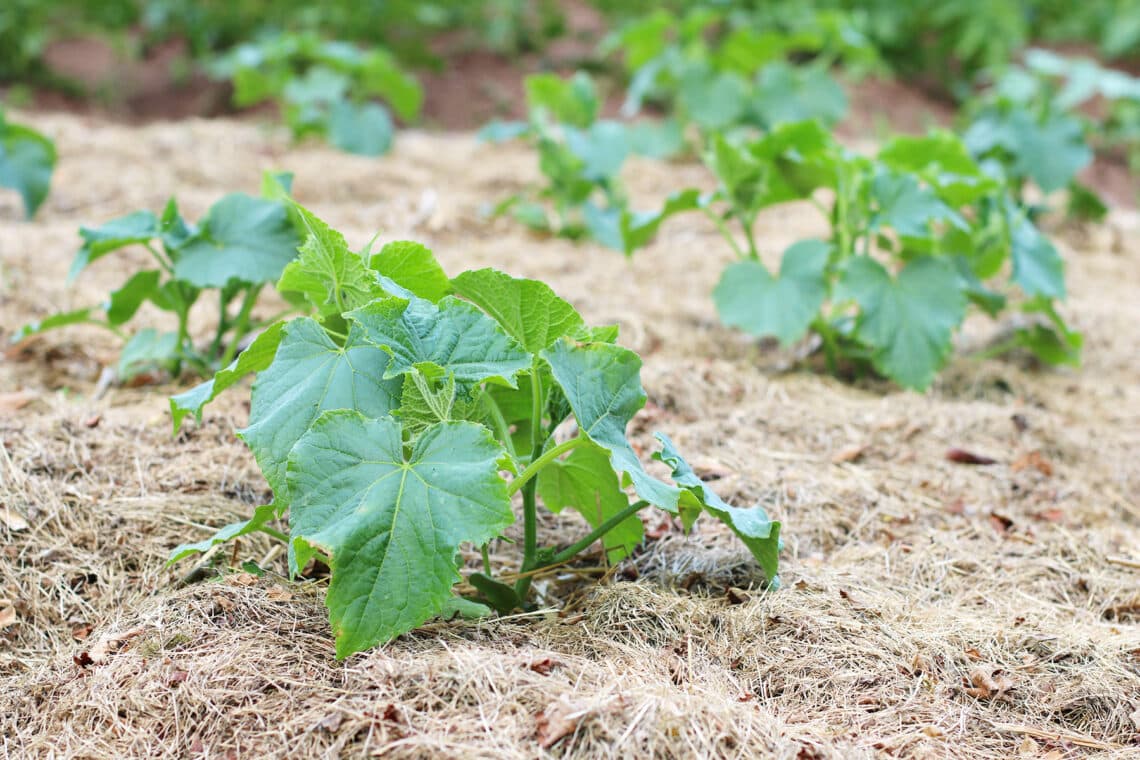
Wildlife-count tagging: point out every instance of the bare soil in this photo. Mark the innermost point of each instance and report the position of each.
(929, 608)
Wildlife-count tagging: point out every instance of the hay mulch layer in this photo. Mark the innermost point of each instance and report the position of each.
(929, 608)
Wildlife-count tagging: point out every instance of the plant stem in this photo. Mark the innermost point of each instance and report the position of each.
(501, 426)
(240, 324)
(528, 484)
(724, 231)
(830, 346)
(541, 461)
(486, 560)
(162, 260)
(578, 546)
(274, 532)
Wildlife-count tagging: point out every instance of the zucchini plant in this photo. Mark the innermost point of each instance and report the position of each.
(239, 246)
(398, 422)
(324, 88)
(581, 157)
(919, 232)
(27, 160)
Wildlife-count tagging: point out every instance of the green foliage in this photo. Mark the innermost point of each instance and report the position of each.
(241, 244)
(918, 233)
(324, 88)
(581, 157)
(1036, 123)
(722, 68)
(27, 160)
(388, 422)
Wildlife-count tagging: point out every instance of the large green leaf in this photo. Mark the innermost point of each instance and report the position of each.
(639, 227)
(586, 482)
(138, 227)
(528, 310)
(365, 129)
(909, 320)
(602, 383)
(241, 238)
(1050, 150)
(748, 297)
(1037, 267)
(124, 302)
(602, 147)
(332, 278)
(454, 335)
(27, 159)
(908, 207)
(758, 532)
(309, 375)
(413, 266)
(257, 357)
(714, 101)
(391, 523)
(785, 93)
(148, 349)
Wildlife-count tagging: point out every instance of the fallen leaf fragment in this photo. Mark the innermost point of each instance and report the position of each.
(7, 613)
(543, 666)
(556, 722)
(710, 469)
(961, 456)
(110, 644)
(988, 684)
(278, 594)
(1029, 748)
(242, 579)
(330, 722)
(1033, 460)
(851, 453)
(737, 595)
(10, 402)
(93, 421)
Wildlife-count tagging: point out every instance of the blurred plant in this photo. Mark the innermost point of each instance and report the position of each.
(27, 160)
(580, 156)
(918, 233)
(721, 69)
(324, 88)
(1037, 120)
(241, 244)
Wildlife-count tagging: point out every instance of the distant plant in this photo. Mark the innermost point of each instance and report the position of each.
(918, 233)
(1032, 122)
(324, 88)
(387, 424)
(27, 160)
(240, 245)
(721, 69)
(581, 157)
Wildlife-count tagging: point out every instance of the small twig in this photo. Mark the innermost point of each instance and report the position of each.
(1123, 562)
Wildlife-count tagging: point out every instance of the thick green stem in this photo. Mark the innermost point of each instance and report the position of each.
(162, 260)
(483, 550)
(830, 344)
(501, 426)
(541, 461)
(530, 536)
(577, 547)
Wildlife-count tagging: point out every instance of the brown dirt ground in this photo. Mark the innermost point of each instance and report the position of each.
(929, 609)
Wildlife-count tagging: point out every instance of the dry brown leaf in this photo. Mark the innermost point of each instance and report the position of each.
(1033, 460)
(933, 731)
(556, 722)
(988, 683)
(12, 519)
(850, 453)
(330, 722)
(10, 402)
(1028, 747)
(961, 456)
(278, 594)
(242, 579)
(7, 613)
(110, 644)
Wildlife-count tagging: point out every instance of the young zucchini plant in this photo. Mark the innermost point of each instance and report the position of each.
(1033, 124)
(27, 160)
(325, 88)
(239, 246)
(581, 157)
(397, 422)
(918, 233)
